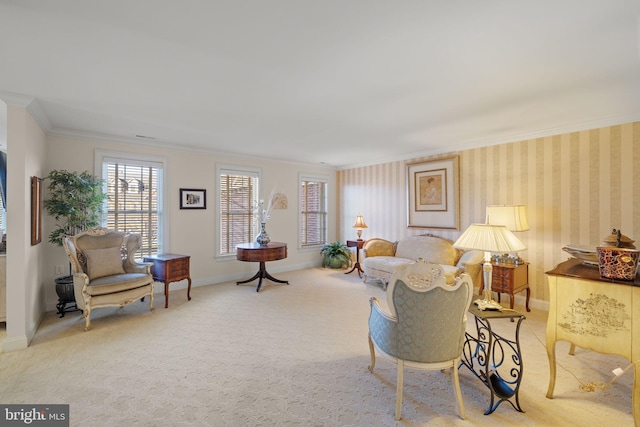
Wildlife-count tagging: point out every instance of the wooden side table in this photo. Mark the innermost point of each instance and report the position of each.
(254, 252)
(510, 279)
(169, 268)
(358, 244)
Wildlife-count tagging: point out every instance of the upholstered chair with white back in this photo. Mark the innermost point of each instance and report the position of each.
(425, 325)
(105, 272)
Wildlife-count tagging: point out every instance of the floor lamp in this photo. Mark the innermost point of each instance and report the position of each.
(489, 239)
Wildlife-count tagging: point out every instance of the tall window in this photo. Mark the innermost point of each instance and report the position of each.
(238, 192)
(134, 200)
(313, 211)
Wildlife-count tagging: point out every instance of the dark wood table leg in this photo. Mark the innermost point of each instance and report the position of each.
(356, 266)
(262, 274)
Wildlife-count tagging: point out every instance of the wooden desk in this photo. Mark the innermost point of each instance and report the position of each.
(169, 268)
(254, 252)
(595, 313)
(358, 244)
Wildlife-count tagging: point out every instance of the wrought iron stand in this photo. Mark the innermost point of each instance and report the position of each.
(495, 360)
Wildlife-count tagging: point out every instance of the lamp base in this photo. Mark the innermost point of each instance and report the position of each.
(489, 305)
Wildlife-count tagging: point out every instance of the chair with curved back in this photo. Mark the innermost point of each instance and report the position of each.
(105, 272)
(426, 326)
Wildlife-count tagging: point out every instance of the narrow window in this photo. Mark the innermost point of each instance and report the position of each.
(313, 211)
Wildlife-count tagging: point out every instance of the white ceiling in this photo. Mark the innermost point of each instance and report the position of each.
(337, 82)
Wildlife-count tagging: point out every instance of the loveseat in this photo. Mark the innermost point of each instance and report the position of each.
(382, 257)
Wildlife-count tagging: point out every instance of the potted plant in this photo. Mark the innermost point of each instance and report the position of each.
(335, 255)
(75, 201)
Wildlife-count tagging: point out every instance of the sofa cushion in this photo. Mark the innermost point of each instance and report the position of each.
(430, 248)
(118, 283)
(103, 262)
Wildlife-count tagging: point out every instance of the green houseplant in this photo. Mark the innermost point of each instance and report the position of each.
(335, 255)
(75, 201)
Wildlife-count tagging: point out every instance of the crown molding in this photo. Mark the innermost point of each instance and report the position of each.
(174, 146)
(29, 103)
(487, 142)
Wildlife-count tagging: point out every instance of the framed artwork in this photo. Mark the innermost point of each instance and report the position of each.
(433, 190)
(36, 210)
(193, 199)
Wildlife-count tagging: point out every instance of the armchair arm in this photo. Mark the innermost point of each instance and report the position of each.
(379, 247)
(137, 267)
(80, 284)
(383, 328)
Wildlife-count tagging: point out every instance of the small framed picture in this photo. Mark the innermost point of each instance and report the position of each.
(193, 199)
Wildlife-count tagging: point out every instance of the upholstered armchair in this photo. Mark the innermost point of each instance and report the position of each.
(425, 327)
(105, 272)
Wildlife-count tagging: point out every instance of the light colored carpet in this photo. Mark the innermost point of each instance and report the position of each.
(293, 355)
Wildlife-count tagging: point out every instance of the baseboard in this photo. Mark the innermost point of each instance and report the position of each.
(13, 344)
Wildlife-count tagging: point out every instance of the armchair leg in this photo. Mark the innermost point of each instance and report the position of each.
(373, 355)
(456, 386)
(151, 299)
(399, 389)
(87, 316)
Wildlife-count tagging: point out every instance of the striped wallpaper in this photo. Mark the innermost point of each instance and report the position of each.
(576, 188)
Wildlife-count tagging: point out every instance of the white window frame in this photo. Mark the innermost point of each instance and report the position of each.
(229, 169)
(304, 177)
(102, 156)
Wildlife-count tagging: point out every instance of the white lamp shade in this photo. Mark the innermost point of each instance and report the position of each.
(514, 217)
(489, 238)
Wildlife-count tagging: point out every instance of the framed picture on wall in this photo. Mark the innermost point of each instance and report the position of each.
(433, 191)
(36, 210)
(193, 199)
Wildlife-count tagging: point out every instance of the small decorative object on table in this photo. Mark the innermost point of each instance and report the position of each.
(619, 260)
(263, 238)
(275, 200)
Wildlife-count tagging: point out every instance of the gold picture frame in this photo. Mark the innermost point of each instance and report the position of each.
(433, 191)
(36, 210)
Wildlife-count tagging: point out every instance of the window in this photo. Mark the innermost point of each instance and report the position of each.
(313, 211)
(237, 199)
(134, 199)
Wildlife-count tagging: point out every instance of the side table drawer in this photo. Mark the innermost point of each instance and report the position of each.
(179, 268)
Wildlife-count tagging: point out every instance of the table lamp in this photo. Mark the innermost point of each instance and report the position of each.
(489, 239)
(514, 217)
(359, 225)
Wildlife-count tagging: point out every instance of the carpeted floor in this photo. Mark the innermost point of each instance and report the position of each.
(293, 355)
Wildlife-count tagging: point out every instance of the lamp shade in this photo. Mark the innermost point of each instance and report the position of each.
(360, 222)
(514, 217)
(489, 238)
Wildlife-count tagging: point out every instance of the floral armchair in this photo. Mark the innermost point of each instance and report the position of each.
(105, 272)
(425, 328)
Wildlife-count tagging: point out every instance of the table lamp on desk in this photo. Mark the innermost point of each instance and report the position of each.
(489, 239)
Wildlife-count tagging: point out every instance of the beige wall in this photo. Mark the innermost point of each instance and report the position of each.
(576, 187)
(192, 232)
(25, 281)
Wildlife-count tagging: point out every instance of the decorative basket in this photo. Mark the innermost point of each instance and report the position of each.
(618, 263)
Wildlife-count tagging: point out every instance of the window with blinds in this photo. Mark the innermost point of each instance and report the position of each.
(134, 200)
(237, 199)
(313, 211)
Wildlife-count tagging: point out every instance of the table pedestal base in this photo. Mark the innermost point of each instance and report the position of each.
(262, 274)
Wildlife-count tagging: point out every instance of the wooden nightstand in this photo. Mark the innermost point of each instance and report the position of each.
(510, 279)
(169, 268)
